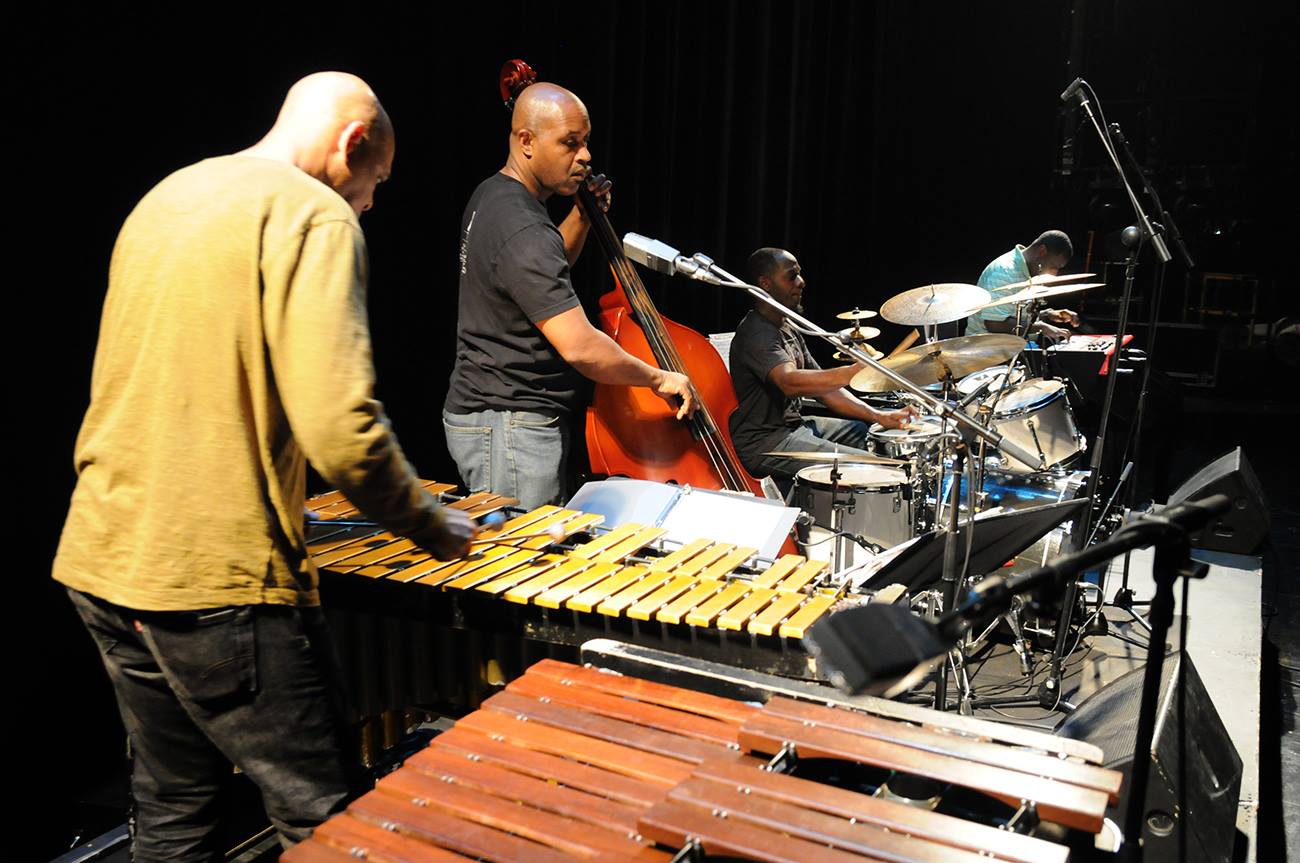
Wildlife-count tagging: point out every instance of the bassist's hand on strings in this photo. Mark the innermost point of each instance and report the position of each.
(600, 186)
(676, 389)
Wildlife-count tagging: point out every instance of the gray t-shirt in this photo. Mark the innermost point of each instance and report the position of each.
(513, 273)
(765, 415)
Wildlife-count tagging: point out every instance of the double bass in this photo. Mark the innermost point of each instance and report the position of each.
(631, 431)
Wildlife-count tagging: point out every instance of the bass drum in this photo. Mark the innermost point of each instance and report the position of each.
(878, 500)
(1036, 416)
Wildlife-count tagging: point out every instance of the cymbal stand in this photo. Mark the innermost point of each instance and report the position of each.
(837, 519)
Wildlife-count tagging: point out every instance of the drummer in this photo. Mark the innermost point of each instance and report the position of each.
(1047, 255)
(772, 370)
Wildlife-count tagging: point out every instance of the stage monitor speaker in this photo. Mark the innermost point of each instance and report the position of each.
(1243, 528)
(1195, 776)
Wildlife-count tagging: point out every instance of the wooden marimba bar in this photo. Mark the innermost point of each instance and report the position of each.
(695, 599)
(572, 763)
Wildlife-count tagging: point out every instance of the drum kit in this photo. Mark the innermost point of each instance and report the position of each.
(878, 500)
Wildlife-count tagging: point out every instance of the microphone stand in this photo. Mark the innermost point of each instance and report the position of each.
(1050, 693)
(1124, 596)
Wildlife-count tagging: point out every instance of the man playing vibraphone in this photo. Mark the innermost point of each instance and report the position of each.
(523, 341)
(772, 369)
(234, 346)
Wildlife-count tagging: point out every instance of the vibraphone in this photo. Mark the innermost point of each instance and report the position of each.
(574, 763)
(408, 624)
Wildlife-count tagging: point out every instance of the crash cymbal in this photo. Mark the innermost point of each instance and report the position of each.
(1049, 279)
(856, 315)
(842, 357)
(842, 457)
(859, 334)
(1037, 293)
(930, 363)
(933, 304)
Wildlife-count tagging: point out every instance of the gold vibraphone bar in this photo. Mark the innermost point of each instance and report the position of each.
(574, 763)
(398, 613)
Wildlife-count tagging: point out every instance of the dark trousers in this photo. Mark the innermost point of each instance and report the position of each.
(258, 687)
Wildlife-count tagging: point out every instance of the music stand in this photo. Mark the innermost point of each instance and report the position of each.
(996, 539)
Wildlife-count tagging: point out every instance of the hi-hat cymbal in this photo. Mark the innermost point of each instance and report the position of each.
(842, 357)
(933, 304)
(859, 334)
(930, 363)
(856, 315)
(1037, 293)
(842, 457)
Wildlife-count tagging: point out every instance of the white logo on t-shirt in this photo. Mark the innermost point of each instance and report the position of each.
(464, 242)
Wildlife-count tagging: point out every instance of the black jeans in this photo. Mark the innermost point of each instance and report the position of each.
(254, 686)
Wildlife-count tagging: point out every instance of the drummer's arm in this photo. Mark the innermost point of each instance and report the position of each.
(793, 381)
(846, 404)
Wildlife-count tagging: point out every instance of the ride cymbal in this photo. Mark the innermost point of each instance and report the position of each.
(933, 304)
(930, 363)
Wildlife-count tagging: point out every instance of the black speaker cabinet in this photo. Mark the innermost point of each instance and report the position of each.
(1243, 528)
(1195, 777)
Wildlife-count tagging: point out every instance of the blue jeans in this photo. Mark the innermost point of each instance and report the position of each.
(817, 434)
(255, 686)
(516, 453)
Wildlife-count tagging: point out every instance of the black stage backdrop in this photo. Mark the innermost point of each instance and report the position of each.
(888, 145)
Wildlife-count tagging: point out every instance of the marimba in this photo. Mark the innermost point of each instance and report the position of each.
(573, 763)
(406, 622)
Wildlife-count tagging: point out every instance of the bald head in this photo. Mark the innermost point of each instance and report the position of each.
(541, 106)
(332, 126)
(548, 141)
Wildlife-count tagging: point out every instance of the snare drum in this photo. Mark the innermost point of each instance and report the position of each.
(878, 498)
(917, 441)
(1036, 415)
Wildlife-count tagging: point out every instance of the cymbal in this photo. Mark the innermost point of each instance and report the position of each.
(856, 315)
(933, 304)
(842, 457)
(859, 334)
(930, 363)
(845, 358)
(1049, 279)
(1037, 293)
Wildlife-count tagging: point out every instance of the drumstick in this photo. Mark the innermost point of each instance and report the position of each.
(907, 342)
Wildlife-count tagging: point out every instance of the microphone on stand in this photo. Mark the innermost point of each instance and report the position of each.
(663, 258)
(1075, 91)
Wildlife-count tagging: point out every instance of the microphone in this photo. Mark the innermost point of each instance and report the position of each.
(1073, 91)
(663, 258)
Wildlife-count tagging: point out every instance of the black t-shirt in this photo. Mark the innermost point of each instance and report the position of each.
(513, 273)
(765, 414)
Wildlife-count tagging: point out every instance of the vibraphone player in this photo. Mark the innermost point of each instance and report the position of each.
(234, 344)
